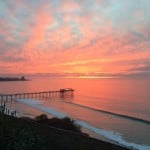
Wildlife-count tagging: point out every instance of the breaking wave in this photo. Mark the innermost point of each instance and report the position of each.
(112, 136)
(112, 113)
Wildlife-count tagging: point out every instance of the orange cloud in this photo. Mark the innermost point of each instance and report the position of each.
(72, 36)
(37, 30)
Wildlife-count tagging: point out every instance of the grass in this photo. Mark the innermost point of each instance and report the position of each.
(37, 134)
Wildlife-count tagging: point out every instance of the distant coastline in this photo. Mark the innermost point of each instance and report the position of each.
(12, 79)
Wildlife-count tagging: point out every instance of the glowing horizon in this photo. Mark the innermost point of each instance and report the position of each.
(73, 36)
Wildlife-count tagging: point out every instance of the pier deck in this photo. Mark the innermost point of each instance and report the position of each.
(35, 94)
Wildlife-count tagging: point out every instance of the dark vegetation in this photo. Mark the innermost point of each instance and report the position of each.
(37, 134)
(65, 123)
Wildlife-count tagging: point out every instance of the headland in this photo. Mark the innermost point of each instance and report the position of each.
(12, 79)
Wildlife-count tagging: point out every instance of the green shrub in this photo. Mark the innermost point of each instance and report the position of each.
(65, 123)
(41, 117)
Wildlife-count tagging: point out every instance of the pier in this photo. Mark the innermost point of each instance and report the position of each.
(61, 92)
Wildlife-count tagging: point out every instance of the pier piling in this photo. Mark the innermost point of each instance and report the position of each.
(61, 92)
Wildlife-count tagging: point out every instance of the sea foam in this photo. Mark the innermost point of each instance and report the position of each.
(37, 104)
(112, 136)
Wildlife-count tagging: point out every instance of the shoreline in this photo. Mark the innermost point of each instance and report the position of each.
(109, 136)
(13, 122)
(84, 130)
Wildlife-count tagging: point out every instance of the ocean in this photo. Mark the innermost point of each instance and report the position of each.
(111, 109)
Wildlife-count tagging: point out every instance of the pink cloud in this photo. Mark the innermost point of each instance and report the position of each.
(38, 30)
(72, 37)
(69, 6)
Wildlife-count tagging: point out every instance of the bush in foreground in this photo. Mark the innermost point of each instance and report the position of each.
(26, 134)
(65, 123)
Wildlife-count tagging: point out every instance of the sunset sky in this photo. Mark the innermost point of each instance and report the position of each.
(75, 36)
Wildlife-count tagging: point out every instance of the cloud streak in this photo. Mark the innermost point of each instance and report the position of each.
(74, 35)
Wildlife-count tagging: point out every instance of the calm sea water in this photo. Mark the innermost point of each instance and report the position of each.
(129, 97)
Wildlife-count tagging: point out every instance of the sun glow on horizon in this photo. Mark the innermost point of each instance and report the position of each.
(55, 36)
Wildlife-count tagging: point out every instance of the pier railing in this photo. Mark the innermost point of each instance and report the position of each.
(61, 92)
(5, 110)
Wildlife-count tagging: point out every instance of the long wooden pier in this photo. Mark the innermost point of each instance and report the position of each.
(61, 92)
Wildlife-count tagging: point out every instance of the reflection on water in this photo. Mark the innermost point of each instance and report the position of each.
(123, 96)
